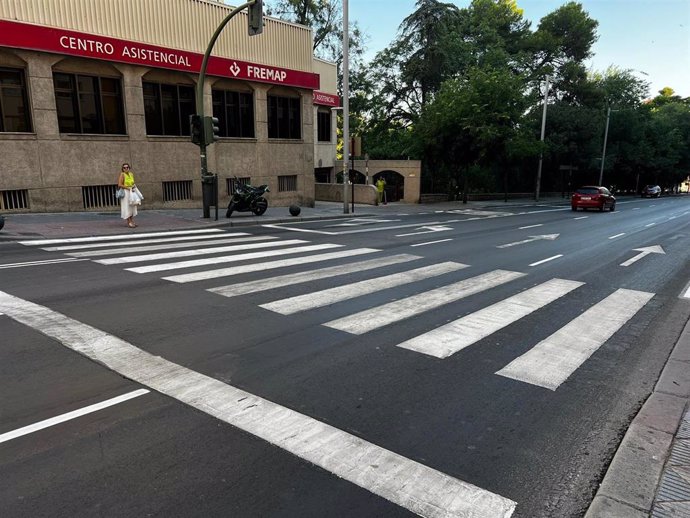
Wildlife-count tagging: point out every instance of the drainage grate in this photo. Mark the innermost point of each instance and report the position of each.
(99, 196)
(14, 200)
(177, 190)
(287, 183)
(232, 183)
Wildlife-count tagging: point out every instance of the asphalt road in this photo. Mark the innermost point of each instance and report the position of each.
(460, 361)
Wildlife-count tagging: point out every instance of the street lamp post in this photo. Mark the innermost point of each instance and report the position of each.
(346, 102)
(543, 129)
(603, 152)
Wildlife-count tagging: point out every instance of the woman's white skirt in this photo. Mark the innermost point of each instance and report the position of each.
(127, 210)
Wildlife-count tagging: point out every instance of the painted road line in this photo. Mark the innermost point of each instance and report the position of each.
(686, 295)
(531, 226)
(306, 230)
(407, 483)
(617, 235)
(126, 243)
(168, 246)
(197, 251)
(636, 208)
(547, 237)
(322, 298)
(375, 318)
(70, 415)
(455, 336)
(433, 242)
(116, 237)
(40, 263)
(555, 359)
(268, 265)
(270, 283)
(582, 217)
(546, 260)
(656, 249)
(650, 225)
(193, 263)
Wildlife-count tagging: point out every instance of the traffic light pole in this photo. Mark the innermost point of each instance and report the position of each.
(206, 177)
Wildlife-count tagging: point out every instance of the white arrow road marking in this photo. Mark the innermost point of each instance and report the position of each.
(405, 482)
(548, 237)
(554, 359)
(656, 249)
(429, 229)
(686, 295)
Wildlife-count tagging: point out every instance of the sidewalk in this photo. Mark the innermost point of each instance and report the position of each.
(650, 473)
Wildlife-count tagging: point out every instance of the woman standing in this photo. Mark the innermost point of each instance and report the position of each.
(126, 182)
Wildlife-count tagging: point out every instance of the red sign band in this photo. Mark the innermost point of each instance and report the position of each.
(326, 99)
(63, 41)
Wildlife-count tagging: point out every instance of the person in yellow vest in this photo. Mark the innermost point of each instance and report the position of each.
(126, 182)
(380, 187)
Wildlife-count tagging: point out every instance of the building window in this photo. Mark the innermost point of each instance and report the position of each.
(167, 108)
(88, 104)
(232, 184)
(323, 123)
(14, 108)
(177, 190)
(235, 113)
(284, 117)
(287, 183)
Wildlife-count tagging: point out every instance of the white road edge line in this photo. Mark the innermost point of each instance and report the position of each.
(70, 415)
(546, 260)
(531, 226)
(617, 235)
(432, 242)
(116, 237)
(582, 217)
(405, 482)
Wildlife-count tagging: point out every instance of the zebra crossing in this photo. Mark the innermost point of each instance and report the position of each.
(546, 364)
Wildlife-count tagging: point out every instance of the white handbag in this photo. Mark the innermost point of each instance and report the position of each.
(134, 197)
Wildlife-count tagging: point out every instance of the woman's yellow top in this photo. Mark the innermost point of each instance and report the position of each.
(129, 179)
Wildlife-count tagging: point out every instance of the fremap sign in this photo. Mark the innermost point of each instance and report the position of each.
(62, 41)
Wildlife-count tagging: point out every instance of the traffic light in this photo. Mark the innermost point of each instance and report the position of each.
(255, 18)
(211, 129)
(196, 129)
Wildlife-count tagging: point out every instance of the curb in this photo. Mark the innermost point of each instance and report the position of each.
(635, 475)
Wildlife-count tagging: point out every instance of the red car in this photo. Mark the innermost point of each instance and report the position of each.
(592, 197)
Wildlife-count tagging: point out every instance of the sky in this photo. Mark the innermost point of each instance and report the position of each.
(651, 37)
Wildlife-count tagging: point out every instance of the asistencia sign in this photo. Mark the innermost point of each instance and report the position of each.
(72, 43)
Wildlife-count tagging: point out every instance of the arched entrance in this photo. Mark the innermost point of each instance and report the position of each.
(395, 184)
(357, 177)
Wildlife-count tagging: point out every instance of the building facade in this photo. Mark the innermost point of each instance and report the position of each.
(86, 86)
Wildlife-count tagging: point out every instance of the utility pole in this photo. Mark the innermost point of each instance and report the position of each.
(346, 103)
(603, 152)
(543, 130)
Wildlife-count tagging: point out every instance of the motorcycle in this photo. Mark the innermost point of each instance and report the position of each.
(247, 198)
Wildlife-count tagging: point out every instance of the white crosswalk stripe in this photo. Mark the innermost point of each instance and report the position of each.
(268, 265)
(374, 318)
(229, 258)
(331, 296)
(207, 238)
(197, 251)
(168, 246)
(455, 336)
(233, 290)
(553, 360)
(117, 237)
